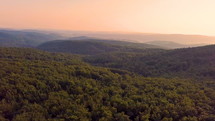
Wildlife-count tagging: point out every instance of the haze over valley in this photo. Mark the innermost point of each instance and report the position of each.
(33, 38)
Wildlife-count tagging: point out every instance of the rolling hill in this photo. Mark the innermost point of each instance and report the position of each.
(145, 37)
(13, 38)
(92, 47)
(115, 42)
(168, 44)
(189, 62)
(32, 38)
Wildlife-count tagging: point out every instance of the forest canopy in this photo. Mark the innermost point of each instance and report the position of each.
(40, 86)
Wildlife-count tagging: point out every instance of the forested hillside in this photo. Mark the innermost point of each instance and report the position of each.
(116, 42)
(41, 86)
(94, 47)
(196, 62)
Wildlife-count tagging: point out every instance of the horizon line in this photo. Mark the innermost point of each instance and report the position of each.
(101, 31)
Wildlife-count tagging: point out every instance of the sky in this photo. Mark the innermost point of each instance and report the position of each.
(145, 16)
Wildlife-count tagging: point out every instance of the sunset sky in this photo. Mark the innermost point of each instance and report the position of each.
(147, 16)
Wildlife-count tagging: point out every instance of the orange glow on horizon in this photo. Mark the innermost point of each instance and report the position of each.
(159, 16)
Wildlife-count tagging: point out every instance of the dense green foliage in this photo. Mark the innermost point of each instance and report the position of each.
(93, 47)
(40, 86)
(196, 62)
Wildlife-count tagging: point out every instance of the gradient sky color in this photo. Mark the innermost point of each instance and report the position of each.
(147, 16)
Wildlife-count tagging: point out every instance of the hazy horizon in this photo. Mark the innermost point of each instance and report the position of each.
(193, 17)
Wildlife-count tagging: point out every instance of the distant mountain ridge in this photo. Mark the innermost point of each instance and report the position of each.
(171, 45)
(92, 47)
(167, 44)
(32, 38)
(145, 37)
(13, 38)
(115, 42)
